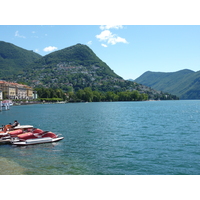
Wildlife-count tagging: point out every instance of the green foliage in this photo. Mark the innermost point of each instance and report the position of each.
(71, 69)
(87, 95)
(14, 60)
(184, 83)
(75, 56)
(49, 93)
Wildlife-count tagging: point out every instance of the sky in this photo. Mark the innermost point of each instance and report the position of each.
(129, 50)
(160, 36)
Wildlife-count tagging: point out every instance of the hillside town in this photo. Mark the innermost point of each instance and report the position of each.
(9, 90)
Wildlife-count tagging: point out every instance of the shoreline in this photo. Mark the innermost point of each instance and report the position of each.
(65, 102)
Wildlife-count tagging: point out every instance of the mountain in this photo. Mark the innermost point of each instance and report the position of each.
(130, 80)
(70, 69)
(77, 56)
(184, 83)
(13, 59)
(76, 66)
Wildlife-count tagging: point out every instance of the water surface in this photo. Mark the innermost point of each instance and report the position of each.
(136, 138)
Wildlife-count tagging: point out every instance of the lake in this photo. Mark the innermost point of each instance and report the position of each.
(108, 138)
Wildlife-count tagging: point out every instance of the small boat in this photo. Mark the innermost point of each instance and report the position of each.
(4, 136)
(27, 135)
(24, 127)
(21, 142)
(36, 136)
(4, 139)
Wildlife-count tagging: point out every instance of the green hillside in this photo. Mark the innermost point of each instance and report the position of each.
(184, 83)
(70, 69)
(78, 67)
(73, 67)
(75, 56)
(14, 60)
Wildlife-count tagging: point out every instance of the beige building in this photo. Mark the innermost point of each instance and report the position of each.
(11, 91)
(16, 91)
(29, 91)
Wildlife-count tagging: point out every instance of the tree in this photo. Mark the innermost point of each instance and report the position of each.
(135, 95)
(96, 96)
(80, 94)
(111, 96)
(123, 96)
(59, 93)
(50, 93)
(88, 94)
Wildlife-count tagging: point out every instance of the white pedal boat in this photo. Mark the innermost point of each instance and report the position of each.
(16, 141)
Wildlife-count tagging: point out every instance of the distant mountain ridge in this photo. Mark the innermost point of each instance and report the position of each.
(184, 83)
(71, 69)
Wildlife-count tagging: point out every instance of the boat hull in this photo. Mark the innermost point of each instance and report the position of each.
(4, 141)
(36, 141)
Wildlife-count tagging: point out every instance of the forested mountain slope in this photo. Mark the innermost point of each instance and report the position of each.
(184, 83)
(70, 69)
(14, 60)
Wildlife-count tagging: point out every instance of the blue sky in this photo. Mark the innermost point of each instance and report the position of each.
(157, 36)
(130, 50)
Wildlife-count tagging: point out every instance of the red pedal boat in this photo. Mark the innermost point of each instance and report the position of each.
(27, 135)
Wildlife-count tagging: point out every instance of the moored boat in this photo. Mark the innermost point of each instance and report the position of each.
(21, 142)
(26, 135)
(4, 136)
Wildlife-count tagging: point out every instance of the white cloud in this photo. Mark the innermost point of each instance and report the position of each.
(89, 43)
(36, 50)
(103, 27)
(104, 35)
(110, 38)
(18, 35)
(49, 49)
(115, 40)
(104, 45)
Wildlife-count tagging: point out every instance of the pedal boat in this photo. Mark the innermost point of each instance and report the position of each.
(7, 132)
(4, 135)
(27, 135)
(30, 138)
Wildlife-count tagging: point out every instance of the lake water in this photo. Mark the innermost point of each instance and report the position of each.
(133, 138)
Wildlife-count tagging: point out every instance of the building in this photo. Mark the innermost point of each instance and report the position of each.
(15, 91)
(1, 95)
(35, 96)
